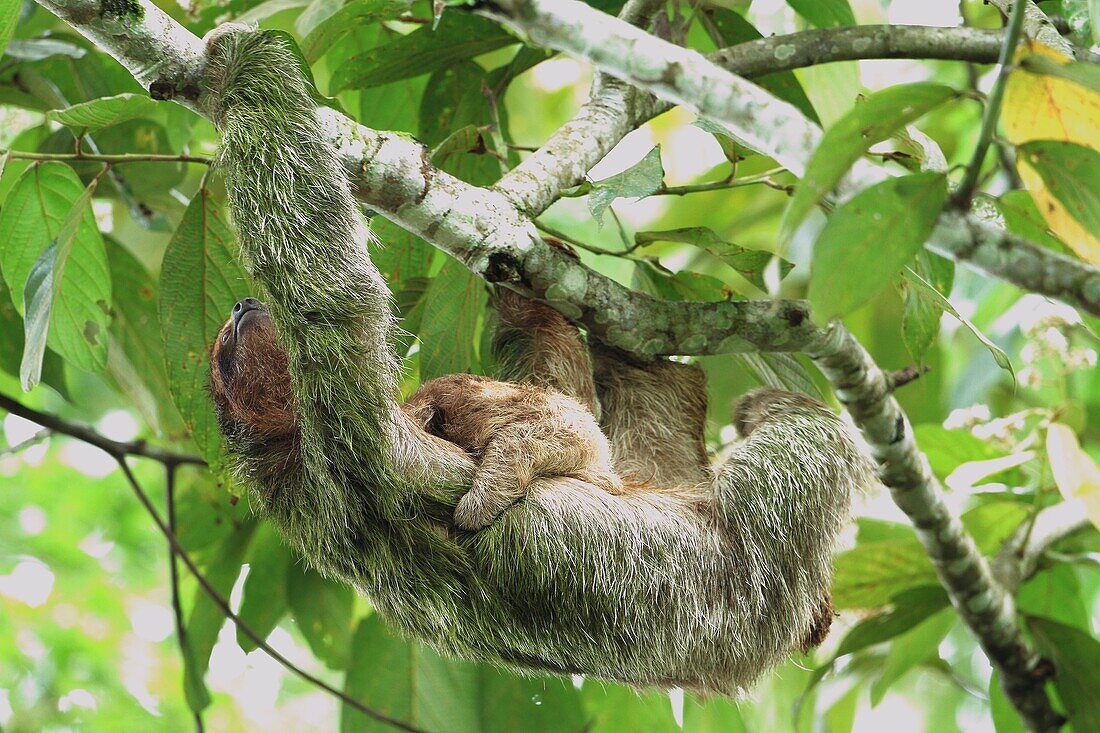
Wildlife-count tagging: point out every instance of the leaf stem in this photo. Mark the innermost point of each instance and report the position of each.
(109, 159)
(965, 192)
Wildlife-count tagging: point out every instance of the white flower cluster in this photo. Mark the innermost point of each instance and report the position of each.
(1046, 331)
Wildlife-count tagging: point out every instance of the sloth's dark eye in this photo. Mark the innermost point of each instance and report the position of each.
(225, 337)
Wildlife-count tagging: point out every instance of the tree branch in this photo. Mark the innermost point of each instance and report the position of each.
(963, 571)
(174, 580)
(115, 448)
(850, 43)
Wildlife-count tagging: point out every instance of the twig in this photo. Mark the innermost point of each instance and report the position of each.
(965, 192)
(223, 605)
(174, 578)
(115, 448)
(1019, 557)
(110, 159)
(764, 178)
(30, 442)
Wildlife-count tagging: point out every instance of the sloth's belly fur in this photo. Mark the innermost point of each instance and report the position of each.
(637, 588)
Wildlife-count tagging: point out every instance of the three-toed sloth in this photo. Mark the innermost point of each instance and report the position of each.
(500, 520)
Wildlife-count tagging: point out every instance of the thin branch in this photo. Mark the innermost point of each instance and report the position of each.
(223, 605)
(115, 448)
(965, 192)
(174, 579)
(110, 159)
(1019, 557)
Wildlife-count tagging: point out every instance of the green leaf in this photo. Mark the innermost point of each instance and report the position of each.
(824, 13)
(38, 49)
(135, 361)
(992, 523)
(453, 307)
(1076, 657)
(949, 449)
(200, 280)
(459, 37)
(511, 702)
(656, 280)
(264, 596)
(47, 217)
(1023, 219)
(920, 319)
(637, 181)
(713, 714)
(1056, 594)
(614, 708)
(869, 239)
(206, 619)
(9, 17)
(1072, 174)
(909, 608)
(322, 608)
(780, 371)
(748, 262)
(104, 112)
(873, 120)
(408, 682)
(1005, 717)
(871, 574)
(728, 28)
(912, 648)
(42, 288)
(1085, 74)
(999, 355)
(355, 14)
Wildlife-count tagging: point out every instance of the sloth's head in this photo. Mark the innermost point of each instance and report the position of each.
(249, 375)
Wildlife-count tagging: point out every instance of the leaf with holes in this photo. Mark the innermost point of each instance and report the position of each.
(200, 280)
(637, 181)
(869, 239)
(47, 215)
(871, 121)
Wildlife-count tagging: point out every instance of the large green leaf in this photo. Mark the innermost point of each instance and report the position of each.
(104, 112)
(47, 217)
(948, 449)
(453, 307)
(909, 608)
(920, 320)
(221, 568)
(614, 708)
(459, 37)
(731, 29)
(357, 13)
(9, 16)
(135, 360)
(264, 596)
(873, 120)
(637, 181)
(824, 13)
(1072, 174)
(322, 608)
(869, 239)
(1076, 657)
(1022, 218)
(873, 573)
(200, 280)
(915, 646)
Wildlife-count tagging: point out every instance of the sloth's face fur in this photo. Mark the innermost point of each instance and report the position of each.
(249, 375)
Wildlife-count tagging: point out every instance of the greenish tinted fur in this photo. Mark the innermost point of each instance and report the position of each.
(635, 588)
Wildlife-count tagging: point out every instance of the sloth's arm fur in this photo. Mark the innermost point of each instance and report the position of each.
(701, 577)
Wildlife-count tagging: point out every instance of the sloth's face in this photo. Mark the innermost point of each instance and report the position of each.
(249, 377)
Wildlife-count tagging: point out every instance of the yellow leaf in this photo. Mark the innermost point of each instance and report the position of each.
(1040, 107)
(1075, 473)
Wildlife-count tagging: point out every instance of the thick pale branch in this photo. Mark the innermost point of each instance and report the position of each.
(963, 570)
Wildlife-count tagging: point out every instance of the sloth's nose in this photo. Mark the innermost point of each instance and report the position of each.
(244, 306)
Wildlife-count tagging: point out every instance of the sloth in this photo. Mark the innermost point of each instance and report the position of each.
(564, 520)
